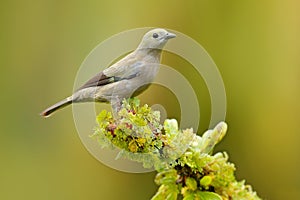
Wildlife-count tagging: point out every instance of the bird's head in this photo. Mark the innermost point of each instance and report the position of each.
(155, 39)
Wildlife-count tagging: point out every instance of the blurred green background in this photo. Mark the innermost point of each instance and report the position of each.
(255, 44)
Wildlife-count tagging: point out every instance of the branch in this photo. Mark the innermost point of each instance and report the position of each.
(186, 169)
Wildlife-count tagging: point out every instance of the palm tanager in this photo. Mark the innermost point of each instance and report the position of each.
(126, 78)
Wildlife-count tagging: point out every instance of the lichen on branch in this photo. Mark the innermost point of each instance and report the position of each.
(184, 161)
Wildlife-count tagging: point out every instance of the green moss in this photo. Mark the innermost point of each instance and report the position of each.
(184, 161)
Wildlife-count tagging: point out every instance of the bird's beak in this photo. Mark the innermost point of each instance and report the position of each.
(170, 35)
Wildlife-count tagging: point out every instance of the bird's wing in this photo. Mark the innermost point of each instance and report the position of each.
(126, 68)
(98, 80)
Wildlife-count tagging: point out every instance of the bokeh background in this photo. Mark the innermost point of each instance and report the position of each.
(255, 44)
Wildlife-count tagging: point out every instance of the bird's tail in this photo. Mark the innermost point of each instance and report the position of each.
(55, 107)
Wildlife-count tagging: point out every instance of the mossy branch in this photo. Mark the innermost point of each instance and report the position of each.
(184, 161)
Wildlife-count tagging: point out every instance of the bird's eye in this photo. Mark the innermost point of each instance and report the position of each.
(155, 35)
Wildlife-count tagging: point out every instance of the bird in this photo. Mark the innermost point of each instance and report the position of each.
(126, 78)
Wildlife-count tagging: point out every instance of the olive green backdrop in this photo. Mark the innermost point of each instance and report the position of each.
(255, 44)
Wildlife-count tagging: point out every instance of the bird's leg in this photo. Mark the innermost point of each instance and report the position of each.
(116, 105)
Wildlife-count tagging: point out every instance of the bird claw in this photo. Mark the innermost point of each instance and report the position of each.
(116, 105)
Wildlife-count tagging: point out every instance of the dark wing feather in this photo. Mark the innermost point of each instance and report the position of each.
(98, 80)
(101, 79)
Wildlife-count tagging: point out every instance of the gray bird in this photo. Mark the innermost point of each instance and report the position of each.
(126, 78)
